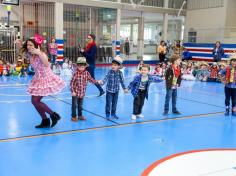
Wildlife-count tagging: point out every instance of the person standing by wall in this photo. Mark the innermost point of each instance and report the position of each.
(89, 53)
(52, 49)
(127, 48)
(161, 50)
(218, 52)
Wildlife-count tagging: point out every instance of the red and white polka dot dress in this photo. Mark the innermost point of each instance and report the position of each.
(44, 82)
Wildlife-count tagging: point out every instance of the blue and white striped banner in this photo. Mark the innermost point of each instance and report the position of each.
(203, 51)
(60, 50)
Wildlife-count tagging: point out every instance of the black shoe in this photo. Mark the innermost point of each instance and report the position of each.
(101, 93)
(165, 112)
(55, 118)
(176, 112)
(227, 112)
(44, 124)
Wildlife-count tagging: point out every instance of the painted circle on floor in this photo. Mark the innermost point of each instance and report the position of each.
(209, 162)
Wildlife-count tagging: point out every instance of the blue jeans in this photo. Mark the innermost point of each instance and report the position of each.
(111, 102)
(79, 102)
(171, 93)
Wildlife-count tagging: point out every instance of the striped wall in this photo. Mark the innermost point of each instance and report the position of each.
(117, 48)
(203, 51)
(60, 50)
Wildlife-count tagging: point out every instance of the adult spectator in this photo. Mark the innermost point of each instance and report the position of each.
(218, 52)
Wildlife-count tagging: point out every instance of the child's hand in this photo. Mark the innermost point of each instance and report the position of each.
(73, 94)
(126, 91)
(100, 82)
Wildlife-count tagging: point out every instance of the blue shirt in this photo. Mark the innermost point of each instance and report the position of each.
(135, 84)
(114, 79)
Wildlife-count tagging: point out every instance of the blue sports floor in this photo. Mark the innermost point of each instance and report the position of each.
(98, 147)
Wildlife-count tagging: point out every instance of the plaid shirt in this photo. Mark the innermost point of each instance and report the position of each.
(114, 79)
(79, 82)
(135, 84)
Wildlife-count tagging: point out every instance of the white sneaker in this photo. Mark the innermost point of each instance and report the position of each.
(140, 116)
(133, 117)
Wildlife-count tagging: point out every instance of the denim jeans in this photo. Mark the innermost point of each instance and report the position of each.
(139, 102)
(171, 93)
(111, 102)
(230, 93)
(79, 102)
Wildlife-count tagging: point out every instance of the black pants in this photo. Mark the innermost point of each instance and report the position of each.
(91, 71)
(139, 102)
(79, 102)
(162, 57)
(230, 93)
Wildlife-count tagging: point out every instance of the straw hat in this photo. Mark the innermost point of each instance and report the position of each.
(118, 59)
(81, 60)
(203, 63)
(222, 63)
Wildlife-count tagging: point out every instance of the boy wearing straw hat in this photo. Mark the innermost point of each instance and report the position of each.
(113, 78)
(78, 86)
(228, 77)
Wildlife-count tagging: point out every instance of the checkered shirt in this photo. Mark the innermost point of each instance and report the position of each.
(114, 79)
(79, 82)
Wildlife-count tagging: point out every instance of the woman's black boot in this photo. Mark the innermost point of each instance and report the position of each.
(44, 124)
(54, 117)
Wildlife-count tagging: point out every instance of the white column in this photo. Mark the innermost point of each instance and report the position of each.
(58, 25)
(140, 37)
(118, 21)
(165, 21)
(58, 20)
(90, 20)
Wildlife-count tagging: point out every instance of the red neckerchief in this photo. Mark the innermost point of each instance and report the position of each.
(89, 46)
(176, 71)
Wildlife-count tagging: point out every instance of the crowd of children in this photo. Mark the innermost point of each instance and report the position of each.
(194, 71)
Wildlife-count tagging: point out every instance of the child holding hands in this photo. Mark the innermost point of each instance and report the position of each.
(139, 89)
(113, 78)
(78, 86)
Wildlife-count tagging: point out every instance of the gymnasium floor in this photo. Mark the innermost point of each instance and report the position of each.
(123, 147)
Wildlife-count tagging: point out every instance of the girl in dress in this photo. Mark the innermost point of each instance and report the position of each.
(188, 72)
(44, 82)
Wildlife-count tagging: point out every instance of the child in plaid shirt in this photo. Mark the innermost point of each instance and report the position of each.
(113, 78)
(78, 87)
